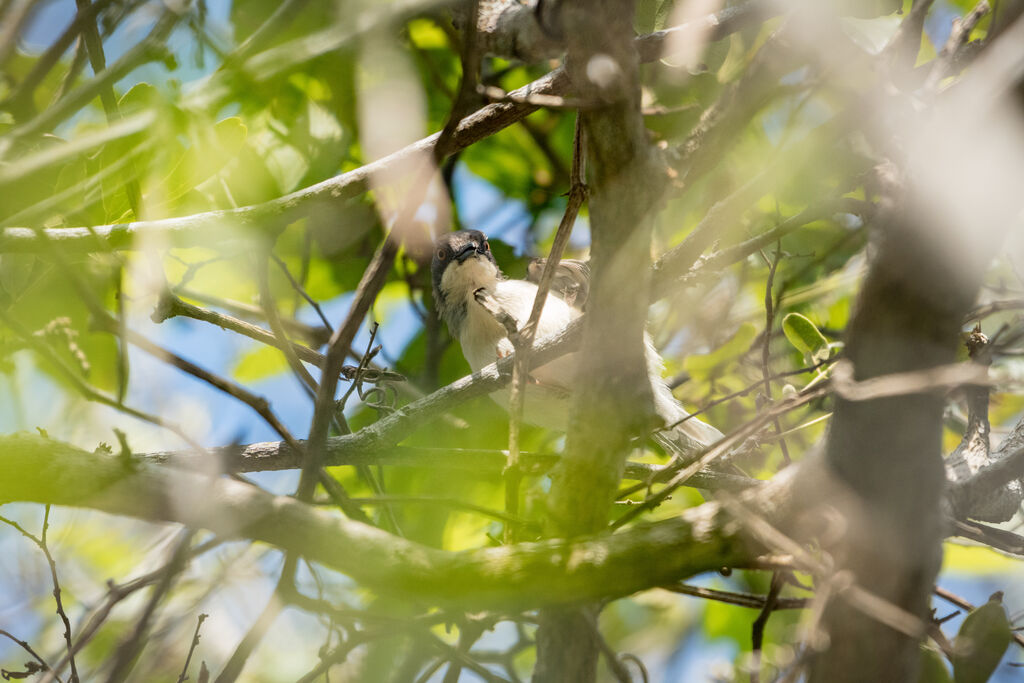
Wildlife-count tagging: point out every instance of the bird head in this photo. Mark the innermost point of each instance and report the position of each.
(462, 264)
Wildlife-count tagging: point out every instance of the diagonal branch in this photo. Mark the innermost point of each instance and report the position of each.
(213, 226)
(45, 471)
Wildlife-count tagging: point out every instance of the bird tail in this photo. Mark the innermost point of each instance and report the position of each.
(686, 439)
(682, 438)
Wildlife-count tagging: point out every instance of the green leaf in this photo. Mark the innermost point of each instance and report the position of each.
(427, 35)
(139, 97)
(933, 667)
(981, 642)
(259, 363)
(704, 366)
(806, 337)
(208, 154)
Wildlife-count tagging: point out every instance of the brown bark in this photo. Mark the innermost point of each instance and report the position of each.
(888, 450)
(614, 393)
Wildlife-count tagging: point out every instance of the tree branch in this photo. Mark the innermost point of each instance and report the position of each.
(550, 572)
(213, 226)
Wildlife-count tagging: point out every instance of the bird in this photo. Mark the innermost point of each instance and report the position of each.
(463, 268)
(571, 280)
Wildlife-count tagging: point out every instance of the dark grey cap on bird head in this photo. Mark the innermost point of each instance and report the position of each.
(456, 247)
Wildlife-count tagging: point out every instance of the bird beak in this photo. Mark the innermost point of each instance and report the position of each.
(467, 250)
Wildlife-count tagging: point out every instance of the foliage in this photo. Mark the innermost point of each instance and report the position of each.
(218, 173)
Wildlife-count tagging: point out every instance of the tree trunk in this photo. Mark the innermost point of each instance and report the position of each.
(888, 451)
(613, 398)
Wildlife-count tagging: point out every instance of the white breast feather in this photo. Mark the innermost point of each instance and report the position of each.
(484, 340)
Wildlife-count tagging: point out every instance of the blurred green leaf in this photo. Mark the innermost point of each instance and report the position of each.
(933, 667)
(702, 367)
(259, 363)
(806, 337)
(981, 642)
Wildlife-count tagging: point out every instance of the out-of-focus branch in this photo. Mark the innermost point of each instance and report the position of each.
(14, 18)
(276, 22)
(127, 653)
(313, 335)
(19, 102)
(1007, 467)
(40, 470)
(170, 306)
(149, 49)
(42, 545)
(213, 226)
(94, 46)
(523, 341)
(376, 273)
(946, 62)
(679, 264)
(89, 392)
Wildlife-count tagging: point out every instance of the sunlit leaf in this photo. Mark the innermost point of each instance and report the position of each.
(259, 363)
(805, 336)
(704, 366)
(981, 642)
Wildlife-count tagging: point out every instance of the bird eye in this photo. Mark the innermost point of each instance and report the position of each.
(441, 254)
(487, 245)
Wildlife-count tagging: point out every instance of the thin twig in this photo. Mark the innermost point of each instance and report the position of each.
(540, 100)
(523, 341)
(117, 593)
(183, 676)
(258, 403)
(41, 544)
(721, 447)
(87, 390)
(301, 291)
(129, 650)
(750, 387)
(757, 629)
(769, 314)
(281, 338)
(314, 336)
(739, 599)
(28, 648)
(612, 658)
(968, 607)
(170, 306)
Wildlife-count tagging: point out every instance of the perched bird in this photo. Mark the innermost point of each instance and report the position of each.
(462, 265)
(571, 280)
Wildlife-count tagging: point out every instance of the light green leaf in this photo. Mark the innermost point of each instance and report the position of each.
(208, 154)
(933, 667)
(981, 642)
(703, 366)
(806, 337)
(260, 363)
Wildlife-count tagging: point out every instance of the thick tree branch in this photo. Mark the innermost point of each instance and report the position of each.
(510, 577)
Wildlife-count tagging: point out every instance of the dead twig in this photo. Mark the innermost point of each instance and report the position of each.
(42, 545)
(195, 642)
